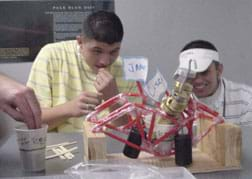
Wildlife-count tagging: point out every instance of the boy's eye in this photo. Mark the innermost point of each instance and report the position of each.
(97, 51)
(113, 52)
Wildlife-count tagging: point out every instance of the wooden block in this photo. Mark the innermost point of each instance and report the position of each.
(220, 150)
(229, 144)
(202, 162)
(208, 143)
(223, 143)
(94, 143)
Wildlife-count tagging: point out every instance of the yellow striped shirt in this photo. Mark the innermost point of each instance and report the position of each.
(59, 74)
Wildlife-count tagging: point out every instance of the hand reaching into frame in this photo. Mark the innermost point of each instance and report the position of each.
(19, 102)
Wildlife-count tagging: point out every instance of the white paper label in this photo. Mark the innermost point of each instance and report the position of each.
(156, 87)
(135, 68)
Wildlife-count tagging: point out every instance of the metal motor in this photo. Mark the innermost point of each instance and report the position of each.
(178, 101)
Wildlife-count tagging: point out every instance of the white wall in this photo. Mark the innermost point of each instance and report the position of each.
(158, 29)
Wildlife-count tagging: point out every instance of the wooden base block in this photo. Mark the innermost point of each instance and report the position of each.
(223, 143)
(94, 143)
(218, 151)
(202, 163)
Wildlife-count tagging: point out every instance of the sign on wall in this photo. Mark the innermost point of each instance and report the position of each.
(26, 26)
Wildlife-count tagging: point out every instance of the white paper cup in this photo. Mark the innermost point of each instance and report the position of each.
(158, 131)
(32, 144)
(168, 143)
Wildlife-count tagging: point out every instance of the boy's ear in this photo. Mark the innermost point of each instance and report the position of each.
(220, 69)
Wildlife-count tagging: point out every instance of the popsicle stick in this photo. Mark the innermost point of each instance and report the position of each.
(67, 155)
(58, 152)
(49, 147)
(56, 155)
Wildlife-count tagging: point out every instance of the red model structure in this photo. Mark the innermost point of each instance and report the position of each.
(137, 112)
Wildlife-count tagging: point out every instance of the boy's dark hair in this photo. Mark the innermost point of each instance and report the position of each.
(199, 44)
(103, 26)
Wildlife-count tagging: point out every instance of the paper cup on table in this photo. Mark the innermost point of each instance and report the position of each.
(32, 144)
(159, 131)
(168, 143)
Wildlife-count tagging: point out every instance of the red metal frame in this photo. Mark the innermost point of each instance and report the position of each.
(136, 113)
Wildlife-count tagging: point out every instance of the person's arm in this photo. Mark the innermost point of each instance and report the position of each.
(19, 102)
(106, 84)
(80, 106)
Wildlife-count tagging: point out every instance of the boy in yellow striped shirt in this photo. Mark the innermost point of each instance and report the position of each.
(71, 77)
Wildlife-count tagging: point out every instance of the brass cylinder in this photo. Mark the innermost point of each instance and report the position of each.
(178, 100)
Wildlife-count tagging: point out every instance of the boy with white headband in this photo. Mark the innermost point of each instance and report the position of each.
(232, 100)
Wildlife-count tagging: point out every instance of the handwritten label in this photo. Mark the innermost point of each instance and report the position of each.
(27, 142)
(31, 141)
(156, 87)
(135, 68)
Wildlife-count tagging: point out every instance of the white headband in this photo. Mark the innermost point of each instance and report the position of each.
(201, 58)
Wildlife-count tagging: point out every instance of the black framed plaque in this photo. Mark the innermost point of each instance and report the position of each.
(26, 26)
